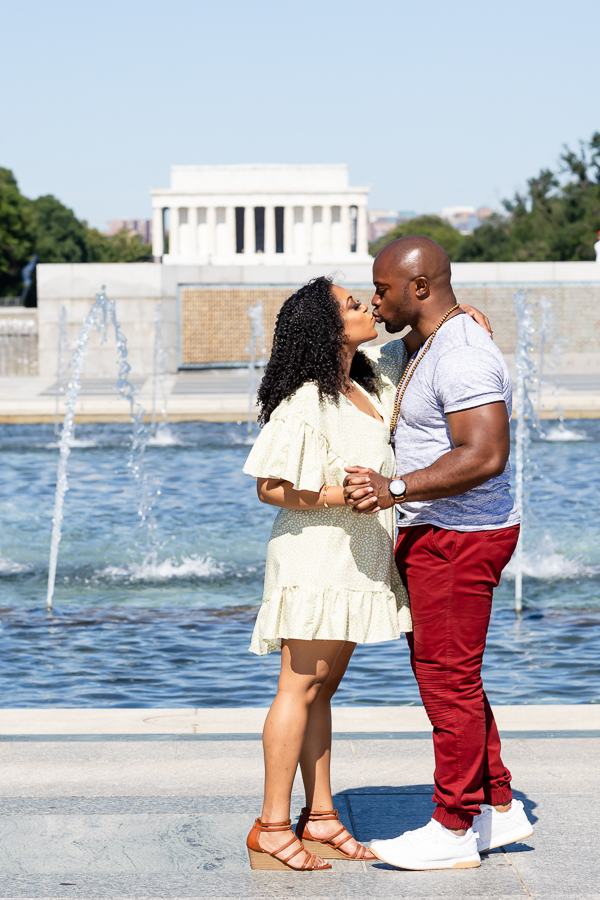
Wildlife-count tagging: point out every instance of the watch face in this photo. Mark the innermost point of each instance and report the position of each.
(397, 487)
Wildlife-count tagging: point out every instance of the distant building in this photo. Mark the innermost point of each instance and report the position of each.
(382, 221)
(466, 218)
(267, 215)
(143, 227)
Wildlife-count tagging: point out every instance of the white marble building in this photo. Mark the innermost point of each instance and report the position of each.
(260, 215)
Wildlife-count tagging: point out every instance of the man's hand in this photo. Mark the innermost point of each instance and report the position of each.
(366, 491)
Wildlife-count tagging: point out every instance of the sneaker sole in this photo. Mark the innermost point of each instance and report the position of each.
(461, 864)
(507, 840)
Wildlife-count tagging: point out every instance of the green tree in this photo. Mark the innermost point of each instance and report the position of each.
(16, 239)
(556, 219)
(49, 228)
(428, 226)
(59, 236)
(124, 246)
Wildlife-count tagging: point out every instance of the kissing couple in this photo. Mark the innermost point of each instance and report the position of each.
(390, 470)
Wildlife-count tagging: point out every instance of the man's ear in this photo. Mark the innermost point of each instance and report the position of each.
(421, 287)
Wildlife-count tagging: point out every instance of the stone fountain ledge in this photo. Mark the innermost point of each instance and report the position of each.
(218, 395)
(248, 721)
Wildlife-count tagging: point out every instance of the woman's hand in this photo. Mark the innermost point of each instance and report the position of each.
(366, 491)
(478, 317)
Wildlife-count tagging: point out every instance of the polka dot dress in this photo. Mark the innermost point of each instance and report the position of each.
(330, 573)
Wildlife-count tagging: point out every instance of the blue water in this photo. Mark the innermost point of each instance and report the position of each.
(159, 614)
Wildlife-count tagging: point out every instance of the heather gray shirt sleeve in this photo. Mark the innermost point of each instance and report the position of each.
(467, 377)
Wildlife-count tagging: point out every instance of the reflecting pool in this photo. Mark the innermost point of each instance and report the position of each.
(159, 613)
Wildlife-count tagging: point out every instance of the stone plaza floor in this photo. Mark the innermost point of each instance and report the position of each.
(114, 804)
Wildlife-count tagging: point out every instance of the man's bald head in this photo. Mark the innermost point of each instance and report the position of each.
(418, 255)
(412, 282)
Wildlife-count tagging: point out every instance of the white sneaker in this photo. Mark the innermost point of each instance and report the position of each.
(496, 829)
(430, 847)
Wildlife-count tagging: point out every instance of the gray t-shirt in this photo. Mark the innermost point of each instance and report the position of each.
(462, 369)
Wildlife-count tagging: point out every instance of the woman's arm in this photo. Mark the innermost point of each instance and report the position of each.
(282, 494)
(412, 341)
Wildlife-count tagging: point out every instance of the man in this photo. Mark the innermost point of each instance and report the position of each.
(458, 527)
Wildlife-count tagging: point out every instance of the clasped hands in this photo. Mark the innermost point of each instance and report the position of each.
(366, 491)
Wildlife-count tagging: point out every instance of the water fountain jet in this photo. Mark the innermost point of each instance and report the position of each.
(257, 341)
(97, 319)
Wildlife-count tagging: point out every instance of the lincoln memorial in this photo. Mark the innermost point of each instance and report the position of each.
(268, 215)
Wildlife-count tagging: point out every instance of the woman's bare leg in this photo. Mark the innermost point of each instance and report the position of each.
(305, 667)
(315, 760)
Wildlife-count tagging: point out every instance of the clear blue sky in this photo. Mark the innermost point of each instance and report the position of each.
(432, 103)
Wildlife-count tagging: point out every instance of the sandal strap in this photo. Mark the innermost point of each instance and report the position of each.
(323, 815)
(337, 844)
(275, 826)
(286, 859)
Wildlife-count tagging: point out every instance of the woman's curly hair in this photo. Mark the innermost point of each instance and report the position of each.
(308, 345)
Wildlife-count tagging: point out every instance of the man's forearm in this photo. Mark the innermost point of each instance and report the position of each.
(454, 473)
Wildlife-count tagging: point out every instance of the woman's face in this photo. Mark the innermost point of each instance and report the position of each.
(359, 324)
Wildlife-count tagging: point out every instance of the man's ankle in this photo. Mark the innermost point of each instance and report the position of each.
(459, 832)
(503, 807)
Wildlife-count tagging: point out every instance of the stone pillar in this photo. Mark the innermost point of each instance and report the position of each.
(269, 230)
(211, 224)
(362, 239)
(308, 227)
(249, 235)
(158, 236)
(326, 248)
(345, 229)
(288, 231)
(174, 232)
(193, 231)
(230, 222)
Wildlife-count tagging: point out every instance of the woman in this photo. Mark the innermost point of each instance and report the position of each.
(330, 579)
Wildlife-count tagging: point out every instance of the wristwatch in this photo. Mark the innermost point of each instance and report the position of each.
(398, 490)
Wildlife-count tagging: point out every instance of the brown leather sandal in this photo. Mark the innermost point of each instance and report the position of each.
(329, 848)
(262, 859)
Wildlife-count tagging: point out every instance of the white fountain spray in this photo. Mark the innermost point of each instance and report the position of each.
(526, 370)
(63, 348)
(158, 374)
(257, 341)
(97, 319)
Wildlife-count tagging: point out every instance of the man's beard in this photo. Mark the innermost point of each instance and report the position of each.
(402, 314)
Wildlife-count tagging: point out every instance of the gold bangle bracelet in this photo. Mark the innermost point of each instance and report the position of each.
(325, 504)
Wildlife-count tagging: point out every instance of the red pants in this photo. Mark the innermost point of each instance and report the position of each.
(450, 577)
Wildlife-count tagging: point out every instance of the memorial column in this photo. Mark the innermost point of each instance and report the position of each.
(269, 230)
(362, 242)
(249, 235)
(308, 230)
(174, 231)
(193, 230)
(158, 234)
(345, 222)
(230, 226)
(211, 226)
(326, 249)
(288, 230)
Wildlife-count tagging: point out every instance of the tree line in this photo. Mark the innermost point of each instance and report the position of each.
(47, 228)
(556, 219)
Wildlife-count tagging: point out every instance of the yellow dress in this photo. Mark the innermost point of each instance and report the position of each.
(330, 573)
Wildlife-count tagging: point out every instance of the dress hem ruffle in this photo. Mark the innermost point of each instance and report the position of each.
(329, 614)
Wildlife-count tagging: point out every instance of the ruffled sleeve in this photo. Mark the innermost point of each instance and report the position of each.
(290, 449)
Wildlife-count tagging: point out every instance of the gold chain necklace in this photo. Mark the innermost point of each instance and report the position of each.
(410, 371)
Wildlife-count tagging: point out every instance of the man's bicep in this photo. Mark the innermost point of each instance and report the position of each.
(483, 426)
